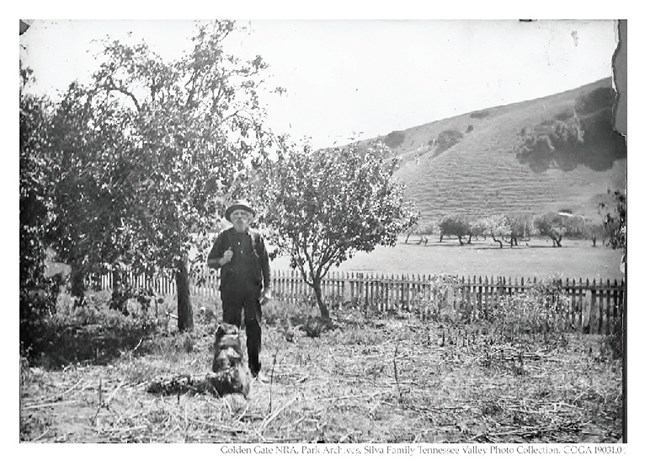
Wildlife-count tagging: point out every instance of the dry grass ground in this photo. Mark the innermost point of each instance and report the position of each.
(369, 380)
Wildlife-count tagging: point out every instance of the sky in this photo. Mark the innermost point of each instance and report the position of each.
(356, 79)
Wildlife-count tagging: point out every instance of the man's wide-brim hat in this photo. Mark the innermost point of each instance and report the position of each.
(239, 205)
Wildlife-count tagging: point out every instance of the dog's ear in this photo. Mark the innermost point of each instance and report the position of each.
(220, 333)
(225, 329)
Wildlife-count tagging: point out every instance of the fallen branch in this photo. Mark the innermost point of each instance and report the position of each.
(110, 397)
(348, 397)
(221, 427)
(43, 405)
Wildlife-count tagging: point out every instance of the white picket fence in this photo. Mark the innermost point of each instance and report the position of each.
(595, 305)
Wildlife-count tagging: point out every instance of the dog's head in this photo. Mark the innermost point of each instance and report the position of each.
(227, 336)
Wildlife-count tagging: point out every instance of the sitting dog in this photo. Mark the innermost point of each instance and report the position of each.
(230, 372)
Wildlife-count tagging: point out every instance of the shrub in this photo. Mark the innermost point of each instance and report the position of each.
(479, 114)
(583, 135)
(564, 115)
(394, 139)
(36, 307)
(91, 333)
(447, 139)
(614, 340)
(436, 303)
(542, 308)
(283, 314)
(595, 100)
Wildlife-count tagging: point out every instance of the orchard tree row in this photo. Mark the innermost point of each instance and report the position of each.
(132, 171)
(512, 229)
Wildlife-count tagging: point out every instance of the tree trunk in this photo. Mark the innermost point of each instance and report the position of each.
(460, 240)
(407, 238)
(118, 283)
(185, 316)
(441, 236)
(498, 241)
(118, 294)
(469, 241)
(324, 311)
(77, 284)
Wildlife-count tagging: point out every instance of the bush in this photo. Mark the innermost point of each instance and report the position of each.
(283, 314)
(614, 340)
(479, 114)
(595, 100)
(91, 333)
(447, 139)
(543, 309)
(583, 135)
(437, 302)
(394, 139)
(35, 308)
(564, 115)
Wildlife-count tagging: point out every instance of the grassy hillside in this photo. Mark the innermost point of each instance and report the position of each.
(474, 164)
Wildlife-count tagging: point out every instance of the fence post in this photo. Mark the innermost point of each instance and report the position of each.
(601, 308)
(615, 311)
(593, 308)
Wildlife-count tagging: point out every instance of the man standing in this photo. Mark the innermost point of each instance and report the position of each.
(241, 255)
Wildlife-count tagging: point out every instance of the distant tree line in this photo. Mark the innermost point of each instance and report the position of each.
(513, 229)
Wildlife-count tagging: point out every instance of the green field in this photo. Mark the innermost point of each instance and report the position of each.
(576, 259)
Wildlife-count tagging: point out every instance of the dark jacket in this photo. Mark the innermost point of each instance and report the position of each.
(253, 265)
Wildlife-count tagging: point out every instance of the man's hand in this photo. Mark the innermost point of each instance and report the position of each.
(265, 296)
(227, 256)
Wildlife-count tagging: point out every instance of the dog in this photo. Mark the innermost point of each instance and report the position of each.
(230, 374)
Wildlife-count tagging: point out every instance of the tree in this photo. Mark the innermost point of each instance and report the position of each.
(92, 187)
(552, 225)
(454, 225)
(575, 226)
(521, 227)
(326, 205)
(614, 214)
(595, 231)
(498, 227)
(195, 124)
(476, 228)
(422, 230)
(37, 295)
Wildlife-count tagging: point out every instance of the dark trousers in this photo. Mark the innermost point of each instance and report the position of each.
(233, 301)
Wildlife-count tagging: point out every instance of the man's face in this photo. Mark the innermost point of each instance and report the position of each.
(241, 219)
